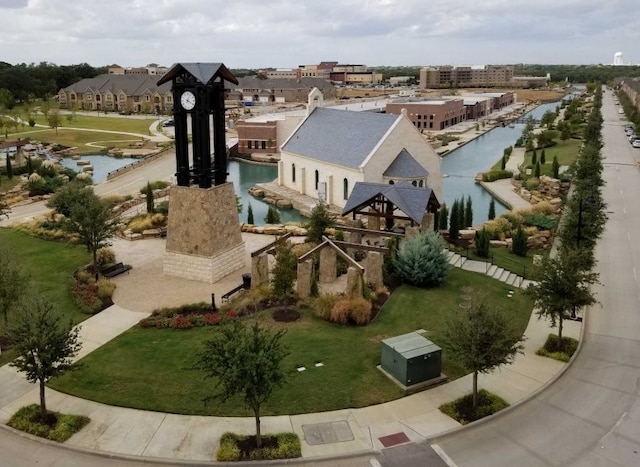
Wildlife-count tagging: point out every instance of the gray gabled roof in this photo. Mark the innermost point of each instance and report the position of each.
(271, 84)
(411, 200)
(203, 72)
(339, 137)
(132, 85)
(405, 166)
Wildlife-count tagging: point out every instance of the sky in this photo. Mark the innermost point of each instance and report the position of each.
(287, 33)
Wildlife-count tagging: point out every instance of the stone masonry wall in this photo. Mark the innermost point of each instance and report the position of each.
(202, 268)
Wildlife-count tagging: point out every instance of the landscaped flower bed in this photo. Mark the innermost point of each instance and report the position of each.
(186, 317)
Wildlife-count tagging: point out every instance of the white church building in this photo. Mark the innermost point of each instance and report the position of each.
(332, 149)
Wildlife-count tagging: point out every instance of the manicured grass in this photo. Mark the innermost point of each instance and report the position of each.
(130, 125)
(566, 151)
(152, 368)
(50, 266)
(77, 138)
(552, 350)
(502, 257)
(461, 410)
(59, 427)
(6, 184)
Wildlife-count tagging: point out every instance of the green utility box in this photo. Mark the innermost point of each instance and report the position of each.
(411, 358)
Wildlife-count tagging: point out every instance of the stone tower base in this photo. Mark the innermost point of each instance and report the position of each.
(204, 242)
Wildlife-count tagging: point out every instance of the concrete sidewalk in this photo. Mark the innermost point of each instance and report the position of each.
(123, 431)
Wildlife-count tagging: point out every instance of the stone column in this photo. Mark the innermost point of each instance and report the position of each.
(354, 283)
(259, 270)
(281, 173)
(427, 222)
(303, 181)
(373, 268)
(328, 264)
(303, 283)
(373, 222)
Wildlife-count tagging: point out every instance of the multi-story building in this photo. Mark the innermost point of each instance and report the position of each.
(252, 90)
(430, 114)
(150, 69)
(466, 76)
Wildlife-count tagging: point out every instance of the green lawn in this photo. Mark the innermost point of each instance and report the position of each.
(5, 183)
(566, 151)
(76, 138)
(130, 125)
(151, 368)
(50, 266)
(503, 258)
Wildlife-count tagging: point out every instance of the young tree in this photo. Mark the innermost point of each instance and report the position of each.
(246, 362)
(492, 209)
(543, 158)
(536, 171)
(54, 119)
(320, 220)
(29, 165)
(481, 338)
(519, 243)
(91, 219)
(534, 157)
(443, 217)
(66, 196)
(561, 285)
(422, 261)
(149, 198)
(44, 344)
(250, 214)
(468, 213)
(454, 226)
(9, 168)
(503, 162)
(284, 271)
(555, 167)
(461, 215)
(483, 242)
(12, 282)
(273, 216)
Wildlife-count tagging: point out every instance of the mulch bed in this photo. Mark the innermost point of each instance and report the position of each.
(285, 315)
(248, 444)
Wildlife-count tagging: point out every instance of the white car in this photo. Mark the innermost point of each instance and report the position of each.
(636, 143)
(620, 111)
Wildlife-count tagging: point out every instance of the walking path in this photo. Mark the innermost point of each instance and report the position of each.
(127, 432)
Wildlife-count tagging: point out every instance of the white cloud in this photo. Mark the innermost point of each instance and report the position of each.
(255, 33)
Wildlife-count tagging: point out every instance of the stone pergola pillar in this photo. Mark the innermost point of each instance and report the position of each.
(259, 270)
(303, 283)
(373, 268)
(373, 222)
(328, 265)
(354, 283)
(427, 222)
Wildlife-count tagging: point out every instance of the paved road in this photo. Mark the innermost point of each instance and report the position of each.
(591, 416)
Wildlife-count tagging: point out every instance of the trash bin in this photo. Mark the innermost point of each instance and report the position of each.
(246, 281)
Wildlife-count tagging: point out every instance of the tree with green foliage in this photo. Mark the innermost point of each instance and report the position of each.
(519, 243)
(245, 361)
(454, 225)
(483, 243)
(91, 219)
(29, 165)
(13, 282)
(250, 214)
(284, 271)
(492, 209)
(273, 216)
(54, 119)
(461, 215)
(443, 217)
(481, 338)
(534, 157)
(468, 212)
(149, 199)
(44, 344)
(320, 220)
(560, 286)
(543, 158)
(66, 196)
(536, 170)
(9, 168)
(565, 132)
(422, 261)
(503, 162)
(548, 118)
(5, 209)
(555, 166)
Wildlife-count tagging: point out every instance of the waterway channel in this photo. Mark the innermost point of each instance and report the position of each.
(463, 164)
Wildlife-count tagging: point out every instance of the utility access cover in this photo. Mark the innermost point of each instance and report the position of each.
(327, 433)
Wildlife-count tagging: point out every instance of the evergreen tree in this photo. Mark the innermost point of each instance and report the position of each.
(556, 167)
(250, 214)
(284, 271)
(536, 171)
(443, 216)
(273, 216)
(29, 165)
(483, 243)
(534, 157)
(543, 158)
(492, 209)
(422, 261)
(454, 222)
(468, 213)
(461, 217)
(519, 243)
(320, 220)
(503, 162)
(150, 199)
(9, 168)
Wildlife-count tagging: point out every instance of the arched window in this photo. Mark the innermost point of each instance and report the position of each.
(293, 173)
(345, 189)
(414, 183)
(421, 183)
(317, 179)
(391, 182)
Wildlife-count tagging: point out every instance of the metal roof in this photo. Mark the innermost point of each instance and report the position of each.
(340, 137)
(411, 200)
(203, 72)
(405, 166)
(411, 345)
(131, 85)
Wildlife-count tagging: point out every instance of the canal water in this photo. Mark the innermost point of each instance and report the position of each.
(463, 164)
(101, 164)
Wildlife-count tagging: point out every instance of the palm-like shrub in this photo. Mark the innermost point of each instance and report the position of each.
(422, 261)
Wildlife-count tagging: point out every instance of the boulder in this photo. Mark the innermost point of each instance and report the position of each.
(498, 243)
(284, 203)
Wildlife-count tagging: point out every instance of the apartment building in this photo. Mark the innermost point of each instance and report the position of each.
(466, 76)
(430, 114)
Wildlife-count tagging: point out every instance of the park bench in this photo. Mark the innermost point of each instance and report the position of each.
(116, 269)
(227, 296)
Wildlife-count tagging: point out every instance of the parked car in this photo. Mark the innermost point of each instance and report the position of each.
(632, 138)
(620, 111)
(636, 143)
(168, 122)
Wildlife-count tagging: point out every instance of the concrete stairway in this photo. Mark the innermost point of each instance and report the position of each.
(489, 269)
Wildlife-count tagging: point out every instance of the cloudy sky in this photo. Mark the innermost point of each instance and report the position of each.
(288, 33)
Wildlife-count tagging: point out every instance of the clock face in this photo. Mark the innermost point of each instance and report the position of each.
(188, 100)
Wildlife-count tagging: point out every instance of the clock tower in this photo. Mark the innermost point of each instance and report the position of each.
(203, 233)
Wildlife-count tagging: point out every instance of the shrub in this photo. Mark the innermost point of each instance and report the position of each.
(494, 175)
(156, 185)
(27, 419)
(514, 218)
(422, 261)
(105, 288)
(163, 208)
(85, 297)
(105, 256)
(273, 216)
(550, 348)
(323, 304)
(351, 311)
(540, 221)
(461, 409)
(228, 450)
(287, 447)
(482, 243)
(519, 244)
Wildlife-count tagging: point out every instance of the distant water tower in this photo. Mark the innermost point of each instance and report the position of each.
(617, 59)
